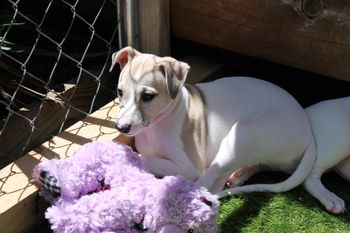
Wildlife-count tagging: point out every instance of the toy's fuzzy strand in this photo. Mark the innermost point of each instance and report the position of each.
(136, 199)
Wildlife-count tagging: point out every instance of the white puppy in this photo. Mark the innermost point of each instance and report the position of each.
(207, 131)
(330, 121)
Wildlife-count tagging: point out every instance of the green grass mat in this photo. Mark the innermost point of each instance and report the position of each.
(293, 211)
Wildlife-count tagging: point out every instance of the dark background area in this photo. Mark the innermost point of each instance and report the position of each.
(307, 87)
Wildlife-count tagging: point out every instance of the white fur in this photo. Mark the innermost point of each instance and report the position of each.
(330, 121)
(253, 122)
(250, 122)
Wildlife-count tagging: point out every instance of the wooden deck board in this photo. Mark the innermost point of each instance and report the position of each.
(270, 30)
(17, 195)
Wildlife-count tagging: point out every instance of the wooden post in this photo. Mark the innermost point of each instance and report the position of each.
(145, 25)
(155, 27)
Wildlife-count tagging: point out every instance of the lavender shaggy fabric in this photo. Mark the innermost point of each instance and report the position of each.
(134, 200)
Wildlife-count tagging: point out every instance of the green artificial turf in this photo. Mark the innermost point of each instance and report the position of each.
(293, 211)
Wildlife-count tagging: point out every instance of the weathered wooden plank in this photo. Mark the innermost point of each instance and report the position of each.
(17, 194)
(50, 117)
(278, 31)
(155, 27)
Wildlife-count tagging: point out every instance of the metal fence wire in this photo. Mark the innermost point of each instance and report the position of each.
(54, 61)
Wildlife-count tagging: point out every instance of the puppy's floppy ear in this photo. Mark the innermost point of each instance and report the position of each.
(175, 73)
(123, 56)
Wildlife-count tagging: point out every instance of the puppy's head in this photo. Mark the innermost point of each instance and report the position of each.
(147, 86)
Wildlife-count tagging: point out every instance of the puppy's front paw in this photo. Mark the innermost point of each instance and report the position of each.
(333, 203)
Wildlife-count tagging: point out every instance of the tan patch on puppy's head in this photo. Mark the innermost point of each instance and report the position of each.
(147, 86)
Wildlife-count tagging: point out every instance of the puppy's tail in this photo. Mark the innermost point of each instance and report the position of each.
(304, 168)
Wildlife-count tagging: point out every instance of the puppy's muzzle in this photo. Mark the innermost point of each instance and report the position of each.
(125, 128)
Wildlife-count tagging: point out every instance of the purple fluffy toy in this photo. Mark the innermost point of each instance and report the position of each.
(104, 187)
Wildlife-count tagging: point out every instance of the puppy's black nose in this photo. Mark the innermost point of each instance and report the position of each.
(123, 128)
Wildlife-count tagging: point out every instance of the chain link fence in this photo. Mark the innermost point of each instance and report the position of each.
(54, 61)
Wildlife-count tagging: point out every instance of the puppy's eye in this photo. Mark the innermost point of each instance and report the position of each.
(146, 97)
(120, 93)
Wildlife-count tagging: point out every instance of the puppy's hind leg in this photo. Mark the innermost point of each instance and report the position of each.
(331, 202)
(229, 158)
